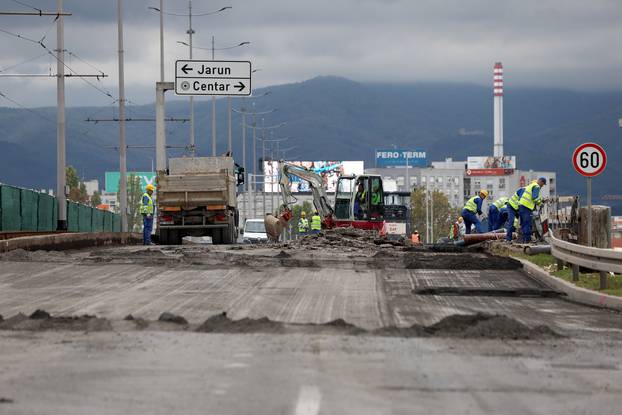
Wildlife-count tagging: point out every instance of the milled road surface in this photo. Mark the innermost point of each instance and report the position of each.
(166, 368)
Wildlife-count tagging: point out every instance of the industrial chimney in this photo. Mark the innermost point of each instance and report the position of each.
(498, 104)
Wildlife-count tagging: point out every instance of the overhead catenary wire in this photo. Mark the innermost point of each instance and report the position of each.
(21, 3)
(24, 62)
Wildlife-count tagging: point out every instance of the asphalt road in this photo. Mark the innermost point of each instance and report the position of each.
(160, 371)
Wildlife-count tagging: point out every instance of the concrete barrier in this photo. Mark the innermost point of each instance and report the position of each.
(574, 293)
(61, 241)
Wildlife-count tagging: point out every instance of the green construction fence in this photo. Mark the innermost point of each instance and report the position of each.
(30, 211)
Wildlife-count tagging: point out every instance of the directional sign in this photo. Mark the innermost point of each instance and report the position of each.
(228, 78)
(589, 159)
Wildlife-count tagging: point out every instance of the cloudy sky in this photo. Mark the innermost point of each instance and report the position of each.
(555, 43)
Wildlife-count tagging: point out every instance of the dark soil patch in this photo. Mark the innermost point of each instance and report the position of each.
(488, 326)
(41, 320)
(221, 323)
(463, 262)
(6, 400)
(282, 254)
(167, 317)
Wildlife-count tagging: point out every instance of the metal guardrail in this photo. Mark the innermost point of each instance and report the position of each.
(604, 260)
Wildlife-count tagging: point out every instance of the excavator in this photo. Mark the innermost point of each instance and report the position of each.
(359, 201)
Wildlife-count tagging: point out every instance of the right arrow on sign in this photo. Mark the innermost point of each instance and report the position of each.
(240, 86)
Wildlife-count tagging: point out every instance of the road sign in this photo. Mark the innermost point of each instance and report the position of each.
(589, 159)
(227, 78)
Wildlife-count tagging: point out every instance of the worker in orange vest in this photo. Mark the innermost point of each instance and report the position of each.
(414, 238)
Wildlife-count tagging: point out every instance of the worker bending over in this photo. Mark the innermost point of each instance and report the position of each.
(316, 223)
(303, 224)
(472, 208)
(146, 209)
(512, 208)
(527, 204)
(497, 214)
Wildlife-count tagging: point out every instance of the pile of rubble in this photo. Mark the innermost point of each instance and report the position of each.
(344, 238)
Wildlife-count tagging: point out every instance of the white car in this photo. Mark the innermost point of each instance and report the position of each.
(254, 232)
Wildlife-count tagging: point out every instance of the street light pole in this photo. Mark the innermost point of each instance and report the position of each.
(60, 116)
(213, 113)
(122, 146)
(190, 32)
(161, 40)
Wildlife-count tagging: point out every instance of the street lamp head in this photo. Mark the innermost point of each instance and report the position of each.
(154, 8)
(244, 43)
(225, 8)
(182, 43)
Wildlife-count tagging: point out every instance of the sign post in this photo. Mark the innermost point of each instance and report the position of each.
(589, 160)
(224, 78)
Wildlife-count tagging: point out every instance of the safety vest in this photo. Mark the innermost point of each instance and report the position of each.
(375, 198)
(316, 223)
(361, 196)
(303, 225)
(513, 202)
(527, 199)
(146, 209)
(471, 206)
(500, 202)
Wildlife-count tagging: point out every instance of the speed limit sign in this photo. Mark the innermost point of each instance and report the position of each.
(589, 159)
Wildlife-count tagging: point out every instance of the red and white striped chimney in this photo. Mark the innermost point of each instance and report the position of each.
(498, 105)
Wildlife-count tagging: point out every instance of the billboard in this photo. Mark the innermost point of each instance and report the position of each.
(401, 158)
(329, 170)
(112, 179)
(490, 166)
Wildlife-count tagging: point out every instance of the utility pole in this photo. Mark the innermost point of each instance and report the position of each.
(161, 40)
(190, 33)
(213, 113)
(245, 185)
(60, 115)
(122, 146)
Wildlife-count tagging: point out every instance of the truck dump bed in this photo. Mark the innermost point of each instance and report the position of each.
(198, 181)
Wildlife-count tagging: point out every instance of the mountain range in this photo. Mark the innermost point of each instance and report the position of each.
(333, 118)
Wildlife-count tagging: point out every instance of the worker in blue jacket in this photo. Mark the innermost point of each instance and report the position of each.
(472, 208)
(495, 220)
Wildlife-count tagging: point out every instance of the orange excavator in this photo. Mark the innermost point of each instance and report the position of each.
(359, 201)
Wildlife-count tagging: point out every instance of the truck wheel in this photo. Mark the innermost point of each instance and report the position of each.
(163, 237)
(228, 234)
(216, 236)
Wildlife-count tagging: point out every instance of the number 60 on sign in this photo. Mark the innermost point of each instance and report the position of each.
(589, 159)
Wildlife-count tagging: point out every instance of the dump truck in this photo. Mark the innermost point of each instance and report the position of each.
(197, 196)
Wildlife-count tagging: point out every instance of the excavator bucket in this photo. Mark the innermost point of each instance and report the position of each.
(274, 226)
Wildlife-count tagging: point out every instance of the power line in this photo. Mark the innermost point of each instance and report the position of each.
(21, 63)
(27, 5)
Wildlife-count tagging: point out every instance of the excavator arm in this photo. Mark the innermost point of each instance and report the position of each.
(274, 225)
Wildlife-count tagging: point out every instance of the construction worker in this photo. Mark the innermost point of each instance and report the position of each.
(303, 224)
(472, 208)
(146, 209)
(414, 238)
(512, 209)
(494, 214)
(458, 229)
(376, 198)
(316, 223)
(527, 204)
(359, 201)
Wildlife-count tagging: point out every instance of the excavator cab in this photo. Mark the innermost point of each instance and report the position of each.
(359, 198)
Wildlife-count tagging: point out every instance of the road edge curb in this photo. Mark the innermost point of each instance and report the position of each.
(574, 293)
(61, 241)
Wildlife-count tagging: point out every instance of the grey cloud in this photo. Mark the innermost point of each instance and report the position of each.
(556, 43)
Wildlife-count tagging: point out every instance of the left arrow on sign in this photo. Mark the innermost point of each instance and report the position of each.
(186, 68)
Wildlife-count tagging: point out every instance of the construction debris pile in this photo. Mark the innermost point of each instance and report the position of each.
(346, 239)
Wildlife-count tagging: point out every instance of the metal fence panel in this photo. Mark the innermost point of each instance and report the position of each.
(46, 213)
(10, 215)
(98, 220)
(85, 218)
(72, 216)
(108, 219)
(29, 202)
(116, 223)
